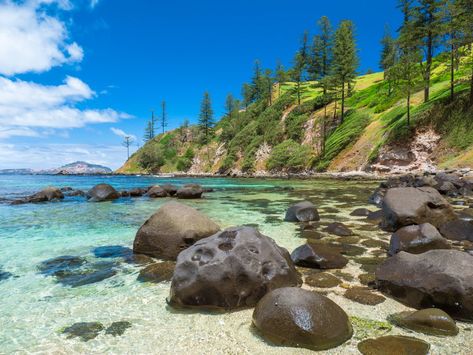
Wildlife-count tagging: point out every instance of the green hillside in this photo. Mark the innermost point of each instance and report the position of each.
(286, 137)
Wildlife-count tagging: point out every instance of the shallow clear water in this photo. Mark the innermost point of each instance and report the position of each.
(34, 308)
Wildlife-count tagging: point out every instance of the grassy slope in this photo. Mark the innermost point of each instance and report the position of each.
(373, 119)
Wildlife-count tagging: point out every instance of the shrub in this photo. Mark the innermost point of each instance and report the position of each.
(289, 155)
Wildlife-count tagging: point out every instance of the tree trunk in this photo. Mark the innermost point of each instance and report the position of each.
(335, 110)
(409, 107)
(299, 93)
(452, 73)
(471, 87)
(343, 103)
(428, 67)
(324, 129)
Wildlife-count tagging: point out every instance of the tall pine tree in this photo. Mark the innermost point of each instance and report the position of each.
(206, 122)
(164, 120)
(230, 105)
(280, 76)
(465, 23)
(321, 51)
(388, 57)
(345, 60)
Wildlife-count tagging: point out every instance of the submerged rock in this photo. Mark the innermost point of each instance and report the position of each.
(338, 229)
(91, 274)
(435, 279)
(61, 263)
(156, 192)
(417, 239)
(364, 295)
(231, 269)
(361, 212)
(102, 192)
(85, 331)
(190, 191)
(322, 280)
(4, 275)
(118, 328)
(300, 318)
(394, 345)
(112, 251)
(318, 256)
(157, 272)
(431, 321)
(457, 230)
(173, 228)
(407, 206)
(302, 212)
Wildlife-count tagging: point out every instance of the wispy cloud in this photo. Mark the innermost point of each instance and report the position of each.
(94, 3)
(121, 133)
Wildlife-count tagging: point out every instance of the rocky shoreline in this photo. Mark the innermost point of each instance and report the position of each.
(426, 264)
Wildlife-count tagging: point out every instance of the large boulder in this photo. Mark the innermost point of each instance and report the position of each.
(457, 230)
(435, 279)
(173, 228)
(156, 191)
(417, 239)
(190, 191)
(318, 256)
(231, 269)
(102, 192)
(408, 205)
(302, 212)
(296, 317)
(45, 195)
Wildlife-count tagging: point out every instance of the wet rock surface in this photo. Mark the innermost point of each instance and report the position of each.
(102, 192)
(233, 268)
(302, 212)
(45, 195)
(157, 272)
(322, 280)
(406, 206)
(157, 192)
(431, 321)
(172, 229)
(190, 191)
(364, 295)
(435, 279)
(394, 345)
(338, 229)
(301, 318)
(417, 239)
(112, 251)
(61, 263)
(170, 189)
(85, 330)
(319, 256)
(457, 230)
(361, 212)
(5, 275)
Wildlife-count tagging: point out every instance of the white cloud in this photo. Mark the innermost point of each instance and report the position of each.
(33, 41)
(121, 133)
(54, 155)
(29, 105)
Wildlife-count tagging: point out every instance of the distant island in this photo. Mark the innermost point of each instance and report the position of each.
(76, 168)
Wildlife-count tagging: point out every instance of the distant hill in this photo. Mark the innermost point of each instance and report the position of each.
(16, 171)
(80, 167)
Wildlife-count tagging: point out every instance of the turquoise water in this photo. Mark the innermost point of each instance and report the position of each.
(35, 309)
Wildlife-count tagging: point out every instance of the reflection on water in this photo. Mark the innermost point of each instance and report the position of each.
(128, 316)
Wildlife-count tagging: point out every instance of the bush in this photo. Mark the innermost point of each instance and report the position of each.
(152, 158)
(289, 155)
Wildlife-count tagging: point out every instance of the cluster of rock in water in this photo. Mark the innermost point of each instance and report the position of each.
(429, 265)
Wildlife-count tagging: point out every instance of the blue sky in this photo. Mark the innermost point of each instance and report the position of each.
(97, 65)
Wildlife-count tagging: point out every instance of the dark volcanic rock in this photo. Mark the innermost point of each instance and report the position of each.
(4, 275)
(102, 192)
(87, 275)
(157, 192)
(322, 280)
(407, 206)
(360, 212)
(431, 321)
(61, 263)
(394, 345)
(457, 230)
(173, 228)
(118, 328)
(377, 197)
(301, 318)
(435, 279)
(170, 189)
(417, 239)
(47, 194)
(364, 295)
(375, 216)
(157, 272)
(137, 192)
(339, 229)
(302, 212)
(84, 331)
(190, 191)
(318, 256)
(231, 269)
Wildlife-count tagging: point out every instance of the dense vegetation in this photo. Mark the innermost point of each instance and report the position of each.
(306, 117)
